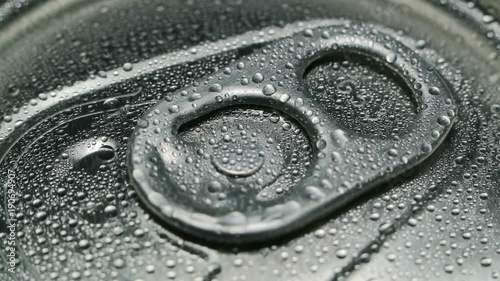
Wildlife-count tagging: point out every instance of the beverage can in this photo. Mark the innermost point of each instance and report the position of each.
(249, 140)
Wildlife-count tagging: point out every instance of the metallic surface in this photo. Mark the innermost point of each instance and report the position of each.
(337, 176)
(76, 77)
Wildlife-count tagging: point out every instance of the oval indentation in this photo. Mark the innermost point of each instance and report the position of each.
(91, 155)
(362, 94)
(106, 153)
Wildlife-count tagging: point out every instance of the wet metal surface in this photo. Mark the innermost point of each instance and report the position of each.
(297, 140)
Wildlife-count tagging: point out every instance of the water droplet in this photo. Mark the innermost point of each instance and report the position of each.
(174, 109)
(341, 253)
(444, 121)
(215, 88)
(486, 262)
(268, 90)
(391, 58)
(257, 78)
(127, 66)
(434, 91)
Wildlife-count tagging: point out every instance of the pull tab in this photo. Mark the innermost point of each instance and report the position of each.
(214, 181)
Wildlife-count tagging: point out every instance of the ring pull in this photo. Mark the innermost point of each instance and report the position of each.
(172, 174)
